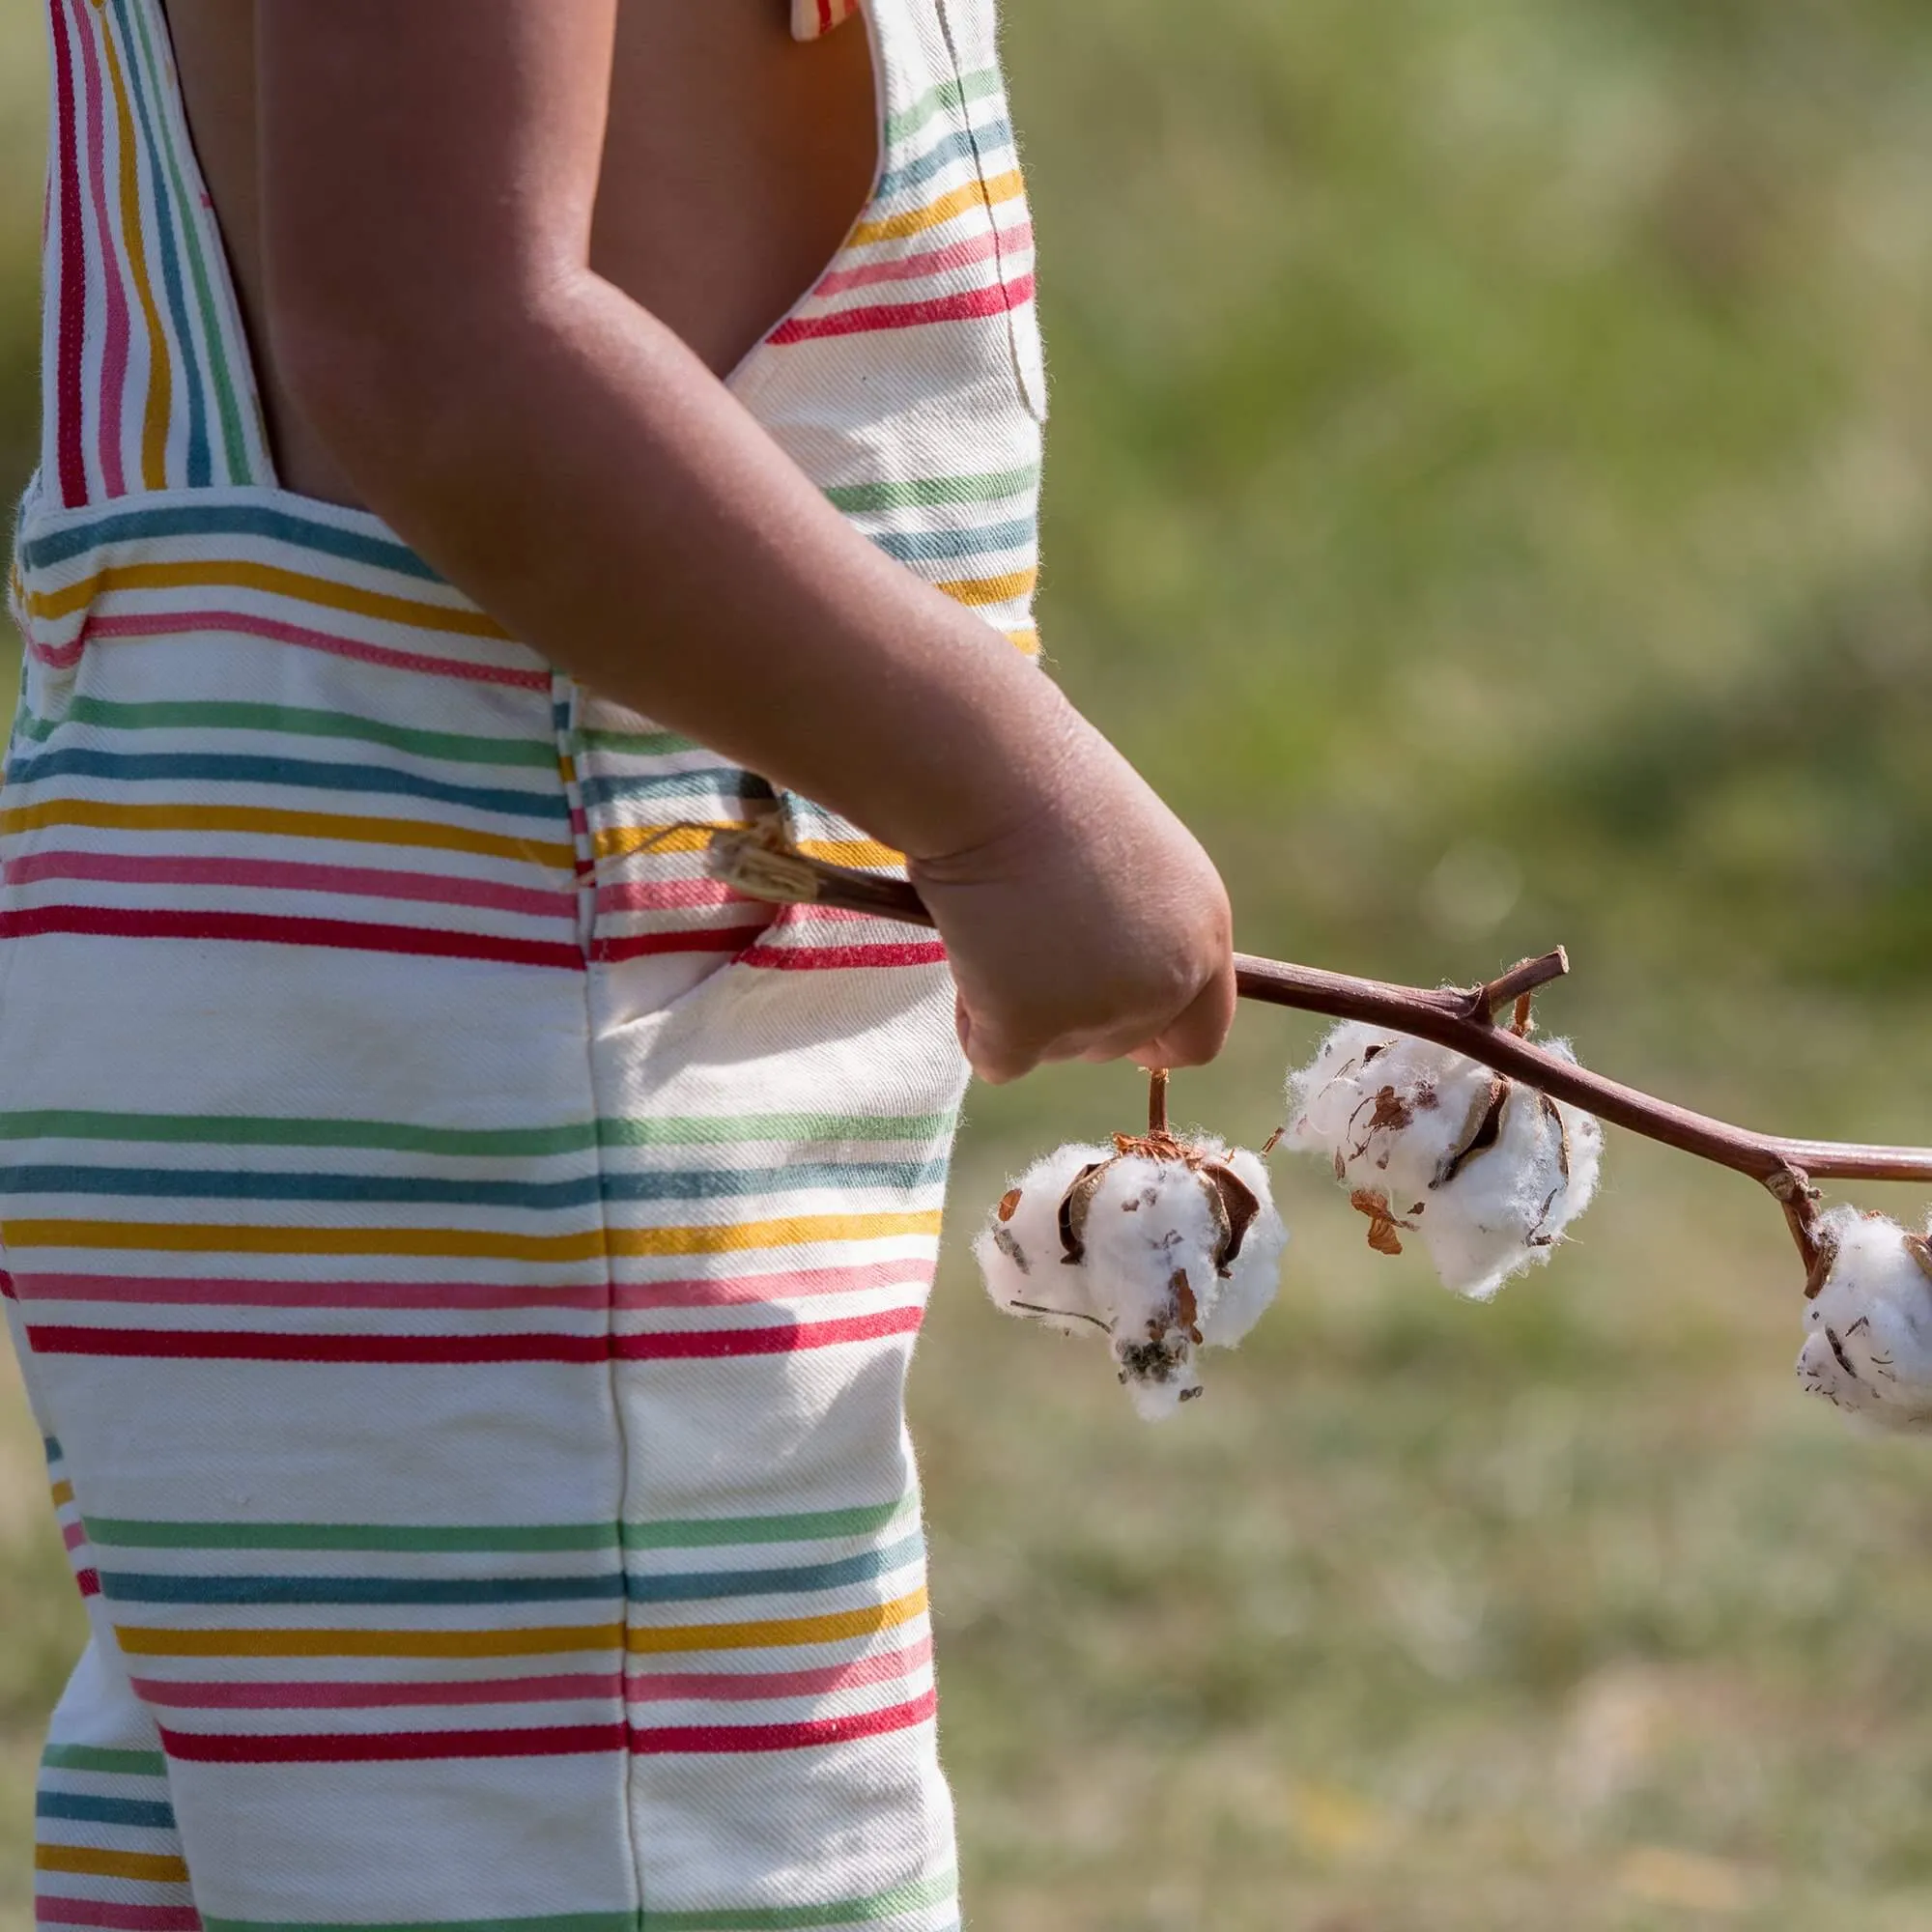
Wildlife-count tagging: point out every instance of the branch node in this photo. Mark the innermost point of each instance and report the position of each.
(1791, 1187)
(1514, 988)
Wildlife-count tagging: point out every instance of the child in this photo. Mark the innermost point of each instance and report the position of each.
(464, 1261)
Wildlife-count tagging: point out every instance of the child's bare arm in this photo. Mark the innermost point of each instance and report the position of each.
(428, 179)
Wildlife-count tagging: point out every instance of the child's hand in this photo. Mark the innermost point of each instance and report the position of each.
(1094, 928)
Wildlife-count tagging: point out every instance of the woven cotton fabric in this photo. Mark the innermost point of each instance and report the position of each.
(464, 1261)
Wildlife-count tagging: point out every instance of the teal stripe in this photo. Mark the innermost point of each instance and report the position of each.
(931, 492)
(95, 1757)
(482, 1143)
(910, 1897)
(273, 523)
(234, 444)
(907, 120)
(297, 720)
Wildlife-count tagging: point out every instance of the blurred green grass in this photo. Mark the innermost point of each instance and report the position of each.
(1488, 492)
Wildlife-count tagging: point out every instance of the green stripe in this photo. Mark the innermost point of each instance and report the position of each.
(911, 119)
(812, 1526)
(638, 743)
(131, 1533)
(234, 444)
(184, 714)
(94, 1757)
(910, 1897)
(483, 1143)
(562, 1922)
(929, 493)
(689, 1533)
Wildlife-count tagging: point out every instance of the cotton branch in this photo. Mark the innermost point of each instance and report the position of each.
(1461, 1019)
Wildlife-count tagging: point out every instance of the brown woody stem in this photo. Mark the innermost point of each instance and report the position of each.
(1157, 1102)
(1460, 1019)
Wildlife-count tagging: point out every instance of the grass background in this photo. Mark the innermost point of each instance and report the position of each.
(1490, 491)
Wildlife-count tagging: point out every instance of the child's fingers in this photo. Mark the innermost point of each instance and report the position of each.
(1198, 1032)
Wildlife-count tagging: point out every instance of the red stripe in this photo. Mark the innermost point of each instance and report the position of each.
(51, 1910)
(227, 1344)
(968, 306)
(814, 1735)
(70, 337)
(390, 1747)
(221, 1344)
(687, 939)
(825, 21)
(88, 1581)
(266, 930)
(776, 1339)
(7, 1291)
(816, 958)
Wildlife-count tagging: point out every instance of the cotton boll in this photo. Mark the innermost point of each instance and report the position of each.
(1150, 1234)
(1488, 1171)
(1253, 1275)
(1019, 1251)
(1503, 1205)
(1386, 1111)
(1868, 1345)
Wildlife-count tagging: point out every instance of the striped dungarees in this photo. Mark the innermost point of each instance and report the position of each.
(466, 1264)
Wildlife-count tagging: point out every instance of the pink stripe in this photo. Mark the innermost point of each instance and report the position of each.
(375, 1696)
(817, 1734)
(51, 1910)
(970, 305)
(821, 958)
(267, 875)
(723, 1686)
(930, 262)
(182, 623)
(661, 893)
(114, 354)
(167, 1291)
(73, 1535)
(728, 1291)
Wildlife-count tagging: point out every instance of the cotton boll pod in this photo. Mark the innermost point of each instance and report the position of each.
(1020, 1253)
(1501, 1202)
(1487, 1171)
(1868, 1345)
(1251, 1276)
(1165, 1245)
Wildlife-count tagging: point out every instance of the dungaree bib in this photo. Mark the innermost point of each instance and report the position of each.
(464, 1262)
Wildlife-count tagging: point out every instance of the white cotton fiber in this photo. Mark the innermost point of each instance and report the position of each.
(1152, 1226)
(1868, 1345)
(1019, 1250)
(1486, 1170)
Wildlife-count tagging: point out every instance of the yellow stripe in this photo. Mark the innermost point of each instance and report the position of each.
(273, 822)
(237, 574)
(83, 1858)
(63, 1494)
(889, 228)
(1027, 641)
(538, 1642)
(161, 371)
(991, 589)
(618, 841)
(833, 1629)
(466, 1243)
